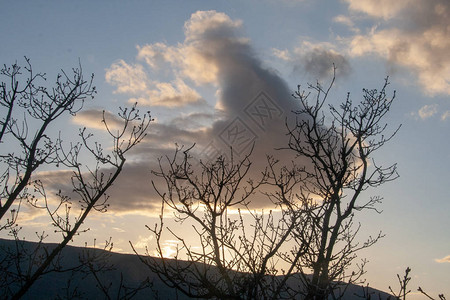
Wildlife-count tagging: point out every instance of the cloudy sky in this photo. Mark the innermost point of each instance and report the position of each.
(203, 67)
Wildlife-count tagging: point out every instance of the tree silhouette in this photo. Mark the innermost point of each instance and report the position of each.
(310, 231)
(29, 110)
(340, 147)
(229, 264)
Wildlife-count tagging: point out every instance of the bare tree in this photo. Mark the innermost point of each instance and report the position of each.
(27, 145)
(404, 290)
(339, 147)
(403, 282)
(303, 248)
(233, 261)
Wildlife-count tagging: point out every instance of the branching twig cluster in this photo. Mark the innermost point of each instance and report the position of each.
(28, 144)
(311, 228)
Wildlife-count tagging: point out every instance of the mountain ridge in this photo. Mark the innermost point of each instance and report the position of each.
(121, 269)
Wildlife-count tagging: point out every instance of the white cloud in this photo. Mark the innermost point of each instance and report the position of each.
(169, 94)
(445, 115)
(282, 54)
(427, 111)
(197, 66)
(378, 8)
(156, 54)
(133, 79)
(130, 79)
(417, 36)
(202, 23)
(425, 54)
(197, 59)
(185, 60)
(347, 21)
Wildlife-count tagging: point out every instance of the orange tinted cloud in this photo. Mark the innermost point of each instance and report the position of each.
(443, 260)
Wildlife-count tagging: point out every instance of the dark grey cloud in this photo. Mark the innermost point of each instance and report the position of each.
(425, 15)
(319, 64)
(132, 192)
(316, 61)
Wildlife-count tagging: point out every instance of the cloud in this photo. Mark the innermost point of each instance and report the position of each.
(443, 260)
(251, 104)
(415, 35)
(130, 79)
(184, 60)
(282, 54)
(206, 33)
(210, 25)
(347, 21)
(193, 121)
(132, 191)
(134, 79)
(428, 111)
(170, 94)
(143, 242)
(28, 215)
(210, 36)
(92, 118)
(445, 115)
(316, 59)
(168, 248)
(380, 8)
(157, 54)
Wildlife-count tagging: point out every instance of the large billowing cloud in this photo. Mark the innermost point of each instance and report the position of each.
(251, 102)
(215, 52)
(413, 34)
(249, 97)
(249, 107)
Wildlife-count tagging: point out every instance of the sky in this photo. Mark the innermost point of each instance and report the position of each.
(201, 68)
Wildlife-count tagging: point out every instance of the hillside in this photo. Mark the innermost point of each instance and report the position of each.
(82, 285)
